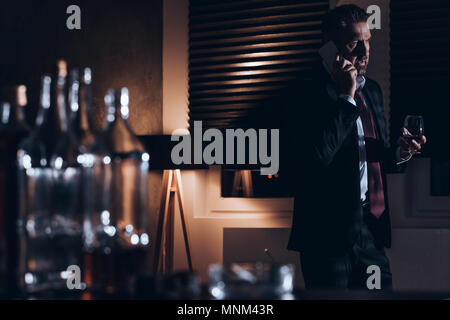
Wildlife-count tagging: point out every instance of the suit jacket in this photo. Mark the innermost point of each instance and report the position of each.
(319, 141)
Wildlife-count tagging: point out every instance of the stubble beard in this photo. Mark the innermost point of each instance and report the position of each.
(361, 69)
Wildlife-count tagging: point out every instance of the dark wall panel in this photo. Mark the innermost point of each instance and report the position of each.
(120, 40)
(420, 68)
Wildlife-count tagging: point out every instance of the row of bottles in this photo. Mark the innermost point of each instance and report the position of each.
(82, 193)
(13, 128)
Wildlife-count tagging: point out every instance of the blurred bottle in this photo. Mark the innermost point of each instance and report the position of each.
(80, 102)
(116, 193)
(50, 215)
(13, 128)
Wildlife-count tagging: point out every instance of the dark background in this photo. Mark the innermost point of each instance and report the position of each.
(120, 40)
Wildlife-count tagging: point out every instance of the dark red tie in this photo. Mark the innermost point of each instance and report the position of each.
(375, 180)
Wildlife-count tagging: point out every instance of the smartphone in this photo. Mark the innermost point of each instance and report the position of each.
(328, 53)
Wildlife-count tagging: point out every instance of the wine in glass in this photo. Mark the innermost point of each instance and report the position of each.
(414, 125)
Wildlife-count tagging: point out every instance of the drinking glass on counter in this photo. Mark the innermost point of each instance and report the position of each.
(251, 281)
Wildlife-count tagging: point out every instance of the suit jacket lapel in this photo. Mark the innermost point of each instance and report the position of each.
(334, 94)
(329, 85)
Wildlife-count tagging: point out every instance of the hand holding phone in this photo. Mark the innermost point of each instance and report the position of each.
(343, 73)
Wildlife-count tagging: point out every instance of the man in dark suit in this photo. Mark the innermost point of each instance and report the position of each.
(336, 129)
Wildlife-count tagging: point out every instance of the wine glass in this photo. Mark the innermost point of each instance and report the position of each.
(414, 124)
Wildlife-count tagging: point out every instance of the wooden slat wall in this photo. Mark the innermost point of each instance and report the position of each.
(420, 67)
(242, 51)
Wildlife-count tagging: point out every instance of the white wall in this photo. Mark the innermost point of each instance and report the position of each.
(420, 255)
(175, 65)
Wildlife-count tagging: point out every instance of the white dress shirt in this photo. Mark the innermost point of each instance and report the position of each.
(360, 82)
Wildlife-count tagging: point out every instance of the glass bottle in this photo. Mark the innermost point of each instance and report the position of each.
(65, 168)
(50, 215)
(115, 225)
(130, 172)
(80, 101)
(13, 128)
(34, 194)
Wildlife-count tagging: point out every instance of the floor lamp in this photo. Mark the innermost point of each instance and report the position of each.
(171, 189)
(160, 147)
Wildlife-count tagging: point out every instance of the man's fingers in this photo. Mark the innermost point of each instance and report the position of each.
(403, 143)
(347, 63)
(337, 58)
(348, 67)
(423, 140)
(339, 61)
(353, 72)
(416, 145)
(336, 63)
(408, 144)
(402, 131)
(405, 132)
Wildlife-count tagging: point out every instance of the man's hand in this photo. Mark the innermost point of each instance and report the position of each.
(409, 146)
(344, 75)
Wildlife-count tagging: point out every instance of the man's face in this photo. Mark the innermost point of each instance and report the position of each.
(353, 43)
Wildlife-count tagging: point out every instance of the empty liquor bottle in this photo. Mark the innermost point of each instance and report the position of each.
(13, 128)
(66, 209)
(116, 191)
(34, 193)
(80, 103)
(49, 222)
(95, 159)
